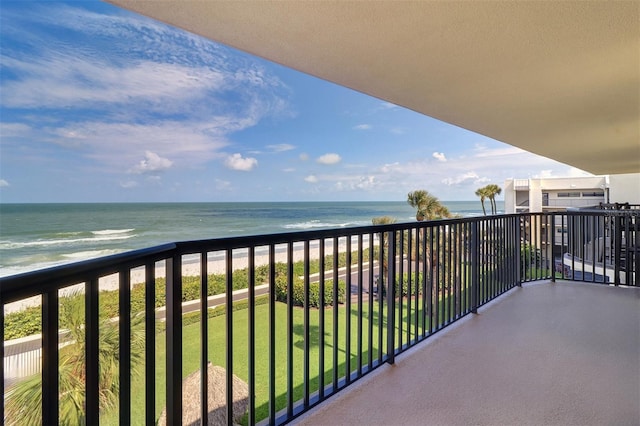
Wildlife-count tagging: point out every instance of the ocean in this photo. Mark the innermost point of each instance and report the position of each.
(36, 236)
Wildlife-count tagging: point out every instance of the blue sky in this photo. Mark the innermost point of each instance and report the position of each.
(101, 105)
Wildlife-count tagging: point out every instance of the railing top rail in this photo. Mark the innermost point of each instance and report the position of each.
(19, 286)
(27, 284)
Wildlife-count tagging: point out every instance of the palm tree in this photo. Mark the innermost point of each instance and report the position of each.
(483, 194)
(24, 398)
(427, 206)
(492, 191)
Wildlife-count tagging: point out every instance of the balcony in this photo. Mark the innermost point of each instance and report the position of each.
(553, 352)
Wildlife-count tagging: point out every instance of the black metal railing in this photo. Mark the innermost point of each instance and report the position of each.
(298, 317)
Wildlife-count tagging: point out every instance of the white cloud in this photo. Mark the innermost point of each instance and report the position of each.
(311, 179)
(152, 163)
(289, 170)
(237, 162)
(4, 183)
(330, 158)
(304, 157)
(439, 156)
(281, 147)
(463, 178)
(222, 185)
(128, 184)
(362, 127)
(398, 130)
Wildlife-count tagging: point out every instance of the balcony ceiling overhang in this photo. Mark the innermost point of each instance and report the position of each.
(559, 79)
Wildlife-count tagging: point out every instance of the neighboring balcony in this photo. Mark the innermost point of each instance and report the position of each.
(282, 323)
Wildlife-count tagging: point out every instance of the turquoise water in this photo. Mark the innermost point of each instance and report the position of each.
(34, 236)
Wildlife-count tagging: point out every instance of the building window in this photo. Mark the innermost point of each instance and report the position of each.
(568, 194)
(593, 194)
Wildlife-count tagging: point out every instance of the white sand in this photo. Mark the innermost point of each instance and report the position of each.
(190, 267)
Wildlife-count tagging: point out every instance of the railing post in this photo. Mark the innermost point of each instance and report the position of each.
(475, 267)
(519, 245)
(552, 242)
(391, 290)
(50, 357)
(174, 339)
(617, 257)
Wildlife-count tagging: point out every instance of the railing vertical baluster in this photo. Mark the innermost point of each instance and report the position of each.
(409, 293)
(336, 341)
(174, 339)
(449, 272)
(475, 267)
(427, 242)
(229, 343)
(517, 249)
(419, 297)
(628, 256)
(391, 275)
(2, 390)
(50, 357)
(272, 334)
(360, 313)
(347, 336)
(321, 288)
(398, 284)
(520, 245)
(410, 323)
(290, 325)
(92, 326)
(552, 241)
(204, 337)
(306, 325)
(150, 345)
(124, 325)
(381, 292)
(370, 300)
(635, 279)
(251, 318)
(429, 259)
(436, 268)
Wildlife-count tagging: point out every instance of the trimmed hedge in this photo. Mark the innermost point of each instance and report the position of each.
(28, 321)
(314, 292)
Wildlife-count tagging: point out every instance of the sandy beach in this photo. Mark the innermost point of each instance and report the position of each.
(191, 267)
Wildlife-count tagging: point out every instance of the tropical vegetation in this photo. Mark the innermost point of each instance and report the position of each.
(489, 192)
(427, 206)
(24, 399)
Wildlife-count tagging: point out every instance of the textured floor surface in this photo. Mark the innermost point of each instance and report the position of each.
(544, 354)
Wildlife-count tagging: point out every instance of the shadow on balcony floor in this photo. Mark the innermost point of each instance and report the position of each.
(564, 353)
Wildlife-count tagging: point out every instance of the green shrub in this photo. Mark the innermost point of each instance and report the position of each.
(22, 323)
(314, 292)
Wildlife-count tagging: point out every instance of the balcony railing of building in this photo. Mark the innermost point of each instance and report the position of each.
(337, 305)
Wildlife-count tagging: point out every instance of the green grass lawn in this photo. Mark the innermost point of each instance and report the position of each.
(217, 345)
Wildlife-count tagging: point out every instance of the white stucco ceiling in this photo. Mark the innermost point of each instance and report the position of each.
(560, 79)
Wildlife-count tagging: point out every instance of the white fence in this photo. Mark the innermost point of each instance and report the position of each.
(22, 358)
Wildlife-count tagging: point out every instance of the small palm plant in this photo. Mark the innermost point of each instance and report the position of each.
(24, 398)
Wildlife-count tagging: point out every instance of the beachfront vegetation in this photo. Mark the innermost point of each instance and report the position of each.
(427, 206)
(28, 321)
(24, 399)
(490, 192)
(483, 194)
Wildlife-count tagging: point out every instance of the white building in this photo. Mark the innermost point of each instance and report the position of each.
(557, 194)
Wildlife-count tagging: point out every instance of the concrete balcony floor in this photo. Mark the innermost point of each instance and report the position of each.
(545, 354)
